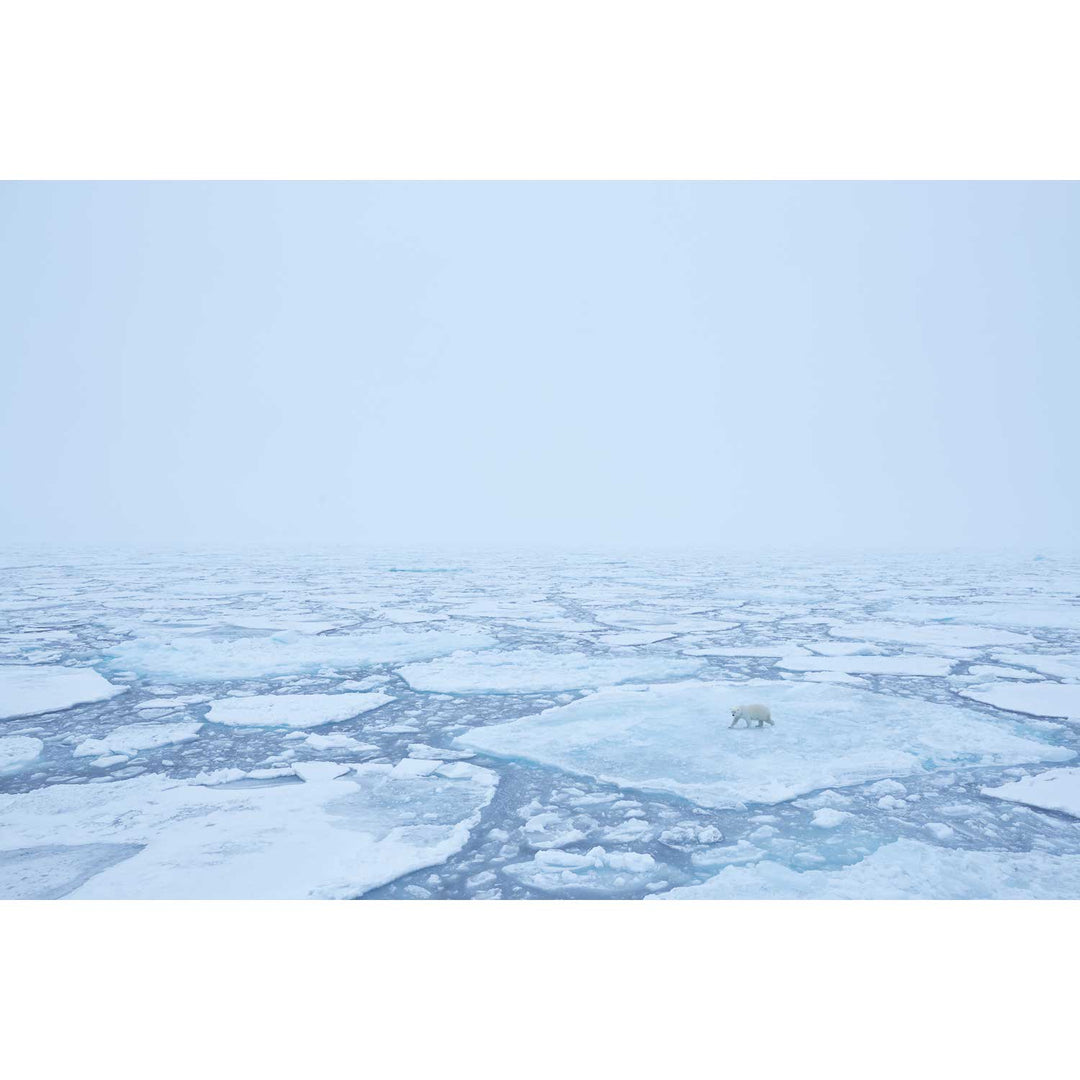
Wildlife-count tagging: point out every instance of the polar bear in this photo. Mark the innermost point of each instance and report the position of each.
(760, 713)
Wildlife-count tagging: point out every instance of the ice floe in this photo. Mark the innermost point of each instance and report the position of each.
(525, 671)
(1034, 699)
(339, 741)
(326, 838)
(631, 637)
(674, 738)
(1055, 789)
(934, 634)
(285, 653)
(131, 738)
(755, 651)
(903, 870)
(594, 871)
(17, 752)
(28, 690)
(1059, 616)
(870, 665)
(1060, 665)
(294, 710)
(996, 671)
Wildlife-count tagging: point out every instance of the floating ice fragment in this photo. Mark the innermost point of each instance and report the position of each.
(17, 752)
(1055, 789)
(27, 690)
(293, 710)
(132, 738)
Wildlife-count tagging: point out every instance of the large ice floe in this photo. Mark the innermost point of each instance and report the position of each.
(333, 837)
(186, 657)
(675, 738)
(27, 690)
(904, 870)
(525, 671)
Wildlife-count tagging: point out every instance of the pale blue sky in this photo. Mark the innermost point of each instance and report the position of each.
(580, 363)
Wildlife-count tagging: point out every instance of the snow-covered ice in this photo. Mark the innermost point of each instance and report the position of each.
(935, 634)
(26, 690)
(131, 738)
(332, 838)
(1061, 666)
(674, 738)
(285, 653)
(526, 671)
(595, 870)
(904, 870)
(18, 751)
(869, 665)
(1055, 789)
(293, 710)
(1035, 699)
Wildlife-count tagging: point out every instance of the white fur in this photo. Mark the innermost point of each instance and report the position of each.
(758, 713)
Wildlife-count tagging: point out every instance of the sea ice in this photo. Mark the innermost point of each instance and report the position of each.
(338, 741)
(530, 671)
(631, 637)
(994, 671)
(828, 818)
(903, 870)
(327, 838)
(1034, 699)
(293, 710)
(132, 738)
(17, 752)
(934, 634)
(825, 676)
(1057, 616)
(595, 871)
(1056, 789)
(27, 690)
(675, 738)
(757, 651)
(870, 665)
(285, 653)
(1062, 666)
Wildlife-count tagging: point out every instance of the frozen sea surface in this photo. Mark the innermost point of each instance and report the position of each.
(419, 724)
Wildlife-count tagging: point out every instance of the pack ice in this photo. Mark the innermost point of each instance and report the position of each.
(330, 837)
(675, 738)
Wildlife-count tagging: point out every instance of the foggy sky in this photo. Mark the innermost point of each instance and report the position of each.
(583, 364)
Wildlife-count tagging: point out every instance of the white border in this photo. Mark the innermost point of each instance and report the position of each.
(461, 89)
(582, 89)
(545, 989)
